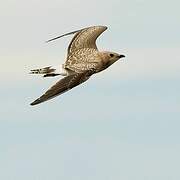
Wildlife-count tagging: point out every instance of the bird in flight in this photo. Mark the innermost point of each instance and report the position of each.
(83, 60)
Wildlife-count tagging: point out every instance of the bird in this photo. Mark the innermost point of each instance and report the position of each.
(82, 61)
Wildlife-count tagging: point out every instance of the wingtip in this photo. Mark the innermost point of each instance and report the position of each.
(47, 41)
(35, 102)
(102, 26)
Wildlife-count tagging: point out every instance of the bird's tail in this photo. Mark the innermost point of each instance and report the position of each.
(51, 71)
(46, 71)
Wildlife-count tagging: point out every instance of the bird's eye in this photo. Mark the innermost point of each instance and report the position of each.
(111, 55)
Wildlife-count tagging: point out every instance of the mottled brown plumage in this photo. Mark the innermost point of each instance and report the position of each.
(83, 60)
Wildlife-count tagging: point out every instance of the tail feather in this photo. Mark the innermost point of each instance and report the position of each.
(46, 70)
(51, 71)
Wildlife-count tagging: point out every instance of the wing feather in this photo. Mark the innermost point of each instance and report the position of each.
(62, 86)
(73, 32)
(83, 38)
(86, 38)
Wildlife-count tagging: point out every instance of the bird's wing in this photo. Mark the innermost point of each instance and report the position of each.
(62, 86)
(84, 38)
(73, 32)
(82, 50)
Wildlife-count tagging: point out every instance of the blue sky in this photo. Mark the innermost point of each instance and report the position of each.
(121, 124)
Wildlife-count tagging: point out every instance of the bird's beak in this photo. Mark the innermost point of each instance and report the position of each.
(121, 56)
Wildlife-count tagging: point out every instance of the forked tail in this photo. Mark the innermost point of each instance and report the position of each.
(47, 72)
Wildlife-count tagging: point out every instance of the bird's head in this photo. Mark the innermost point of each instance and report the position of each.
(111, 57)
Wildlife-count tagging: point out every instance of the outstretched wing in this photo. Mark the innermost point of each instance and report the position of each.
(62, 86)
(86, 38)
(83, 49)
(73, 32)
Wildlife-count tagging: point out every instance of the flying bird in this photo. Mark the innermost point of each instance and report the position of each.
(83, 60)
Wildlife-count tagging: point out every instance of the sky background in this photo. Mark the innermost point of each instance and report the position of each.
(122, 124)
